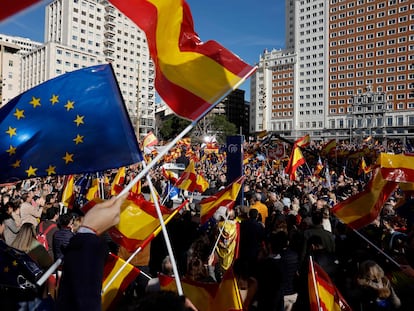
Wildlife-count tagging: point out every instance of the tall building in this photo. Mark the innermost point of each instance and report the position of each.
(353, 70)
(9, 72)
(82, 33)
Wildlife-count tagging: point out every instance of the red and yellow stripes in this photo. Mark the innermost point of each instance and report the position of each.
(128, 275)
(364, 207)
(226, 197)
(191, 75)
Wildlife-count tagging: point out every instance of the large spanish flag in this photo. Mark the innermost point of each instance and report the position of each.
(191, 75)
(363, 208)
(323, 294)
(226, 197)
(397, 167)
(119, 285)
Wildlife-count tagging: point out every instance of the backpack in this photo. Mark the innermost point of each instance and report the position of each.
(41, 236)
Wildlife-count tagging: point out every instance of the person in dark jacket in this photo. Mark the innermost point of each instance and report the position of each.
(62, 236)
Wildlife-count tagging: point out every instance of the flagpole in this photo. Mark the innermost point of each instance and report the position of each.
(165, 234)
(377, 248)
(136, 252)
(219, 235)
(157, 158)
(314, 283)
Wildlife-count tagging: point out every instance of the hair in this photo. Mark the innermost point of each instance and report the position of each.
(64, 220)
(371, 272)
(253, 213)
(25, 237)
(52, 212)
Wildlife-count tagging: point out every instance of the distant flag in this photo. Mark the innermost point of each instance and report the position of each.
(397, 167)
(368, 139)
(68, 194)
(295, 161)
(318, 168)
(363, 208)
(211, 148)
(119, 179)
(170, 175)
(323, 294)
(191, 181)
(226, 197)
(363, 167)
(191, 76)
(136, 189)
(150, 140)
(303, 141)
(186, 141)
(12, 7)
(93, 191)
(247, 157)
(329, 147)
(61, 127)
(120, 284)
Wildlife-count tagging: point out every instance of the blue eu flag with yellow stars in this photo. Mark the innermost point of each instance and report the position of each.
(75, 123)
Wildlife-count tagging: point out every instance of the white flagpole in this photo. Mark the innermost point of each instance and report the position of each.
(220, 233)
(181, 135)
(314, 283)
(165, 233)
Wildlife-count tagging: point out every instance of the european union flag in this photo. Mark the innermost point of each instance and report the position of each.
(74, 123)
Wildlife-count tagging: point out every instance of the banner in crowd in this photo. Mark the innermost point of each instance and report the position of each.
(234, 160)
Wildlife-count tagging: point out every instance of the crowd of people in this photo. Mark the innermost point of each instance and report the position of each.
(283, 223)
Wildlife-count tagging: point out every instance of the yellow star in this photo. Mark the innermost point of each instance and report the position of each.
(31, 171)
(51, 170)
(19, 114)
(78, 139)
(79, 120)
(6, 269)
(11, 131)
(68, 157)
(14, 263)
(69, 105)
(11, 150)
(16, 164)
(54, 99)
(35, 102)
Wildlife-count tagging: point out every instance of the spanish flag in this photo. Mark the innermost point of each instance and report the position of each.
(14, 7)
(226, 197)
(191, 181)
(68, 195)
(397, 167)
(119, 179)
(150, 140)
(119, 285)
(224, 296)
(329, 147)
(303, 141)
(296, 159)
(191, 75)
(364, 207)
(323, 294)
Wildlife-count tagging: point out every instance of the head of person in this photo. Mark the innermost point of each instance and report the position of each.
(65, 220)
(52, 213)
